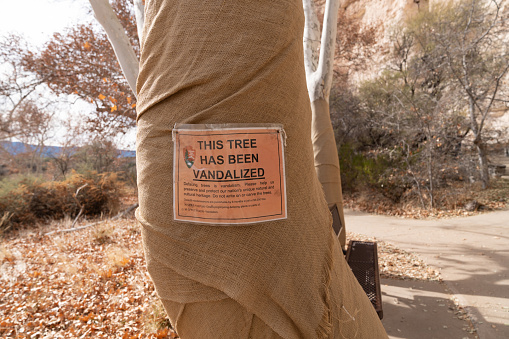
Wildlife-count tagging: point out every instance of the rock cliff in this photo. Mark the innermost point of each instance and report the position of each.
(385, 15)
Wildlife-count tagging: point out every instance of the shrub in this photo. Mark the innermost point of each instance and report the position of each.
(377, 171)
(29, 200)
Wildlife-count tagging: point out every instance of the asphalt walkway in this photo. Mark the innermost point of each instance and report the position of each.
(472, 254)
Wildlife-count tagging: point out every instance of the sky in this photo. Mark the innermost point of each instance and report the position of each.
(37, 20)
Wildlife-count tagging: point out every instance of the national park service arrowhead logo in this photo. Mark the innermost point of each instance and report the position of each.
(189, 156)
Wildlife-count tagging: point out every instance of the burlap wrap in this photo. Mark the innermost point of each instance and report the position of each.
(226, 61)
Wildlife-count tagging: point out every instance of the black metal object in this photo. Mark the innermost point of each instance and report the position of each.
(362, 258)
(336, 220)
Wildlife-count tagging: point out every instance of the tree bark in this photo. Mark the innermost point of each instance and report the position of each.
(319, 82)
(139, 13)
(119, 40)
(483, 161)
(479, 144)
(311, 38)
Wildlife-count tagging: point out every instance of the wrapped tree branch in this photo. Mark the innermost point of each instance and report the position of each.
(319, 71)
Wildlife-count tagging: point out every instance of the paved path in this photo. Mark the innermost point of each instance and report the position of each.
(472, 254)
(422, 310)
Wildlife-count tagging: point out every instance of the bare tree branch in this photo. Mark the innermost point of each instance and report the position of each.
(119, 40)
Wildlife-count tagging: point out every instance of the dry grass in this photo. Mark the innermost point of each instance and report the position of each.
(450, 201)
(29, 200)
(5, 254)
(102, 233)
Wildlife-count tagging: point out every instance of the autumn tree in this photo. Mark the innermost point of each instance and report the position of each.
(25, 113)
(82, 63)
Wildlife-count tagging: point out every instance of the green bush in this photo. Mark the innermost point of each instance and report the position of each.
(28, 200)
(359, 169)
(375, 171)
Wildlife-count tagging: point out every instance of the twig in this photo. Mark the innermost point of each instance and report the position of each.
(129, 209)
(79, 204)
(4, 221)
(77, 217)
(118, 216)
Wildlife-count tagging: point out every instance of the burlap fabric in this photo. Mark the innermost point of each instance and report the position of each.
(239, 62)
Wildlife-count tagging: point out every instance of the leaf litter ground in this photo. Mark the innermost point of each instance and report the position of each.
(93, 283)
(86, 284)
(451, 201)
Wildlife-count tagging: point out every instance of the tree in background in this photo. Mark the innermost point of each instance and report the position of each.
(99, 156)
(415, 126)
(442, 80)
(466, 39)
(355, 46)
(32, 126)
(17, 86)
(69, 147)
(25, 114)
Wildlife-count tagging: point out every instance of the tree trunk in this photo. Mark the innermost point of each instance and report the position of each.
(118, 39)
(479, 144)
(483, 161)
(319, 73)
(139, 12)
(326, 159)
(431, 178)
